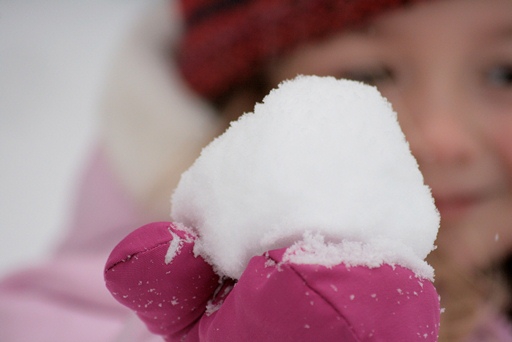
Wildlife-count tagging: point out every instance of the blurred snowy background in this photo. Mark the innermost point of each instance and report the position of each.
(53, 59)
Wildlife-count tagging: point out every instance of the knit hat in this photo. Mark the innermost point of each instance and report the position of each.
(226, 42)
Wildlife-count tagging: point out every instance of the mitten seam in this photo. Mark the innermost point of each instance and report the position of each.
(290, 266)
(136, 254)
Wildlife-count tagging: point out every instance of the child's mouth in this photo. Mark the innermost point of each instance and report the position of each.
(456, 206)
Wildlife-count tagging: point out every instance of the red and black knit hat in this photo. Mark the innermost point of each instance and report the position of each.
(226, 42)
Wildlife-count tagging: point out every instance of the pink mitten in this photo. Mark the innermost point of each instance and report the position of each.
(168, 295)
(184, 300)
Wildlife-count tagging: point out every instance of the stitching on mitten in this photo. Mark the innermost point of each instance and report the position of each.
(137, 254)
(290, 266)
(188, 238)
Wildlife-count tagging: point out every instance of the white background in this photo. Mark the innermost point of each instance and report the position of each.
(54, 56)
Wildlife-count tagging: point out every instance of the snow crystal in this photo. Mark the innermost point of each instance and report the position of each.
(313, 249)
(177, 242)
(174, 247)
(212, 307)
(320, 163)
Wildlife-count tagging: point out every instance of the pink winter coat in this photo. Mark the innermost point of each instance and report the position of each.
(151, 130)
(64, 299)
(184, 300)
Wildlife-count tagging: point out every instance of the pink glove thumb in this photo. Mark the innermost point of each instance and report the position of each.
(168, 295)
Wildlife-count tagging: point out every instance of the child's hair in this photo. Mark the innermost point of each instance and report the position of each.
(505, 268)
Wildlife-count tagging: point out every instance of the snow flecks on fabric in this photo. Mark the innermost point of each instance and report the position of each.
(212, 307)
(268, 261)
(177, 242)
(174, 247)
(220, 293)
(318, 155)
(215, 304)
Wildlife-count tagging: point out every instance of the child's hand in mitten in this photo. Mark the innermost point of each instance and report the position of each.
(154, 272)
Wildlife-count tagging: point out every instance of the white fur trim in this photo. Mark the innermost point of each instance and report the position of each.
(154, 127)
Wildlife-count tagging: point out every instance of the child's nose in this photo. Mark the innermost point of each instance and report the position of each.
(439, 129)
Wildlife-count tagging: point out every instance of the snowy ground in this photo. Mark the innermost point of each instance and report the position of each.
(53, 59)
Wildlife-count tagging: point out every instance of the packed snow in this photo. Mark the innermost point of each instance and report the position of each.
(321, 166)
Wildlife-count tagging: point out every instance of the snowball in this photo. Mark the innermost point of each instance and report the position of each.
(320, 157)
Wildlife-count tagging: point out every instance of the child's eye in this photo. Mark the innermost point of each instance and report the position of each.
(371, 76)
(500, 76)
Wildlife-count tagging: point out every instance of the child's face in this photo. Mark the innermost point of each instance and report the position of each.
(446, 67)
